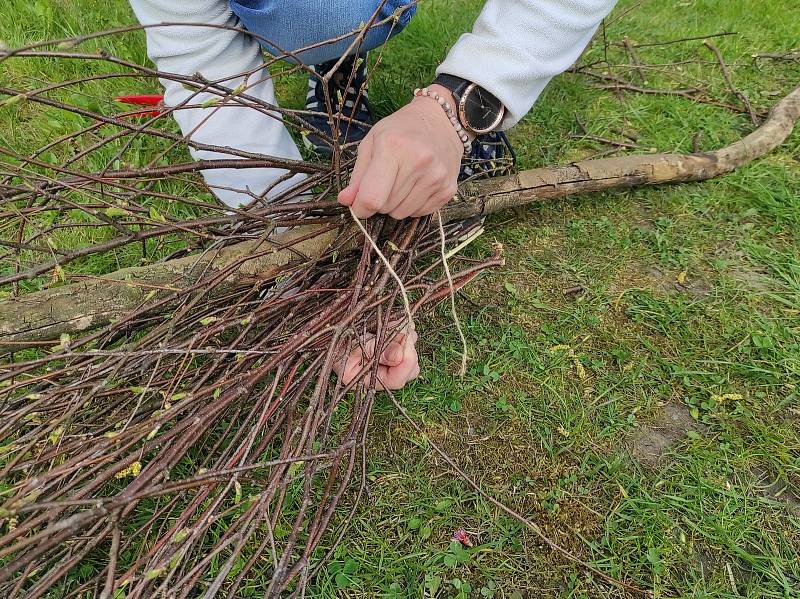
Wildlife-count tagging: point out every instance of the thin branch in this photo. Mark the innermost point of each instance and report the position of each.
(726, 73)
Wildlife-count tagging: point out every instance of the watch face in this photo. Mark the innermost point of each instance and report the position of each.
(480, 110)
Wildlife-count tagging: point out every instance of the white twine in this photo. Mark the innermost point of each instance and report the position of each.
(463, 370)
(404, 293)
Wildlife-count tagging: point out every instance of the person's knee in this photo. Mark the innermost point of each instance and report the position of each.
(340, 17)
(291, 25)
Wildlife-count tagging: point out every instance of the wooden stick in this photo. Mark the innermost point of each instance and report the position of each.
(685, 39)
(634, 58)
(778, 56)
(726, 73)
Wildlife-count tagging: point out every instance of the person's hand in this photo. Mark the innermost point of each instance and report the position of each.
(398, 363)
(408, 163)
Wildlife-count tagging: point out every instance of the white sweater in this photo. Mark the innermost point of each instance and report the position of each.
(514, 49)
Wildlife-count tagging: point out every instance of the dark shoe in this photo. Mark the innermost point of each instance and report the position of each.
(491, 156)
(348, 97)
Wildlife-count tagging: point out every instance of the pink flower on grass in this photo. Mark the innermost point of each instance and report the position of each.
(462, 537)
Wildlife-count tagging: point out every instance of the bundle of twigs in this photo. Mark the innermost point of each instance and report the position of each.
(222, 417)
(176, 447)
(173, 425)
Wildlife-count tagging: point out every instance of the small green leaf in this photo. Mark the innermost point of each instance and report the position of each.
(55, 435)
(156, 215)
(443, 505)
(350, 566)
(295, 468)
(115, 212)
(207, 321)
(59, 274)
(12, 100)
(652, 556)
(433, 583)
(174, 560)
(537, 303)
(344, 581)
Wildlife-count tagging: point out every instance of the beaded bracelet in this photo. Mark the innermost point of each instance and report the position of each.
(448, 110)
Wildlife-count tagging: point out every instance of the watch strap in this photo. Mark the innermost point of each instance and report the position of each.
(456, 85)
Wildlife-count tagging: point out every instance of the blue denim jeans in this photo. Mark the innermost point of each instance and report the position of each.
(294, 24)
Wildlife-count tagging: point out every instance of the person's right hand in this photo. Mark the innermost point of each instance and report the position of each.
(398, 363)
(408, 163)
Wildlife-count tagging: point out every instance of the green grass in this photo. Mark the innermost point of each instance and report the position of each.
(561, 387)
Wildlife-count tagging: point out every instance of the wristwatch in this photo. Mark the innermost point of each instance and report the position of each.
(478, 110)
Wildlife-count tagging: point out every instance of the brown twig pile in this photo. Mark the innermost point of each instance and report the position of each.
(177, 448)
(181, 412)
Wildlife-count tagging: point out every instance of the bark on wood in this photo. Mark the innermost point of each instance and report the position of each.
(627, 171)
(77, 307)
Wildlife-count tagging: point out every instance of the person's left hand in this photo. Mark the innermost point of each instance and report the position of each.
(398, 363)
(408, 163)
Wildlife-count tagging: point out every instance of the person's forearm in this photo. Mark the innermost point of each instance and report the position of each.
(517, 46)
(217, 53)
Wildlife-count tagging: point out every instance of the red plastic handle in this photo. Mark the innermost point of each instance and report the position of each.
(141, 99)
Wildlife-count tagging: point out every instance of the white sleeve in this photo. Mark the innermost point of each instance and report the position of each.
(517, 46)
(217, 54)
